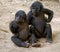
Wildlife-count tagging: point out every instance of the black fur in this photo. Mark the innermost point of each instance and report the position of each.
(38, 21)
(20, 28)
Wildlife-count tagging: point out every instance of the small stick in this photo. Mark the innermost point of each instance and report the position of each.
(4, 30)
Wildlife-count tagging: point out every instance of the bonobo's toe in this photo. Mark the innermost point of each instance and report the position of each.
(36, 45)
(25, 45)
(49, 40)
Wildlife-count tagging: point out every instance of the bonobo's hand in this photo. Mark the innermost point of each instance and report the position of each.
(49, 13)
(13, 27)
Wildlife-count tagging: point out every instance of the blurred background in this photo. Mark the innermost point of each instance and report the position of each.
(8, 8)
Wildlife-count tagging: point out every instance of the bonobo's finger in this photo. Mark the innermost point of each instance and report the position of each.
(49, 40)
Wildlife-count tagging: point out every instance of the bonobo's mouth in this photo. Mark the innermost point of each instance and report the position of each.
(35, 14)
(20, 22)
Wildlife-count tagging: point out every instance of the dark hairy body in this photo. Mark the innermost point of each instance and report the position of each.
(40, 26)
(20, 28)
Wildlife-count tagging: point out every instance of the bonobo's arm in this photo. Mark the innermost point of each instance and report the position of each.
(13, 27)
(49, 13)
(29, 17)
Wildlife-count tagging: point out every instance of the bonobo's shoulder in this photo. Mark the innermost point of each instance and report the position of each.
(29, 13)
(47, 10)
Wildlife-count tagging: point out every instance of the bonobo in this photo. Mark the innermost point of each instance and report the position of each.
(20, 28)
(39, 22)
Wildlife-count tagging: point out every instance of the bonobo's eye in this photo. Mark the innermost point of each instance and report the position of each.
(38, 9)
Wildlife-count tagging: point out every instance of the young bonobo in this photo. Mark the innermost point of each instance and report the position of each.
(20, 28)
(39, 22)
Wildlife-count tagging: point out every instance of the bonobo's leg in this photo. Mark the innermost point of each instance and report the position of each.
(18, 42)
(33, 39)
(48, 33)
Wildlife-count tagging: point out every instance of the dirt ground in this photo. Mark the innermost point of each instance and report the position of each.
(7, 12)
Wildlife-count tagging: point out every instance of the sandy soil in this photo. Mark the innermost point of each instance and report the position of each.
(8, 9)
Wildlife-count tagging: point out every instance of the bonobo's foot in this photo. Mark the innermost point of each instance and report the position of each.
(19, 42)
(25, 44)
(48, 32)
(33, 39)
(36, 45)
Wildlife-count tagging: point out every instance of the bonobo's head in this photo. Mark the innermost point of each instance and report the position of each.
(20, 16)
(36, 7)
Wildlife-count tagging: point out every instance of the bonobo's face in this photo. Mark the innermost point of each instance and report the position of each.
(36, 7)
(20, 17)
(35, 10)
